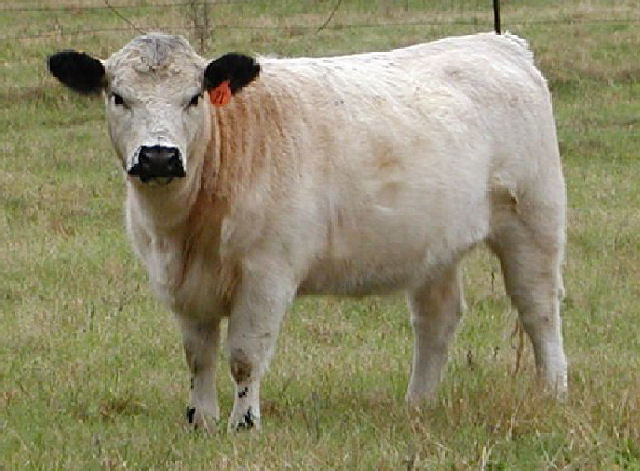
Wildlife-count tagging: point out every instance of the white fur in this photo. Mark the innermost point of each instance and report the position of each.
(351, 175)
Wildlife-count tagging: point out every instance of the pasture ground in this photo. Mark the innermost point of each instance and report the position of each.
(92, 374)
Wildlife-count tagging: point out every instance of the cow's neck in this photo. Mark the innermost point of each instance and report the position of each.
(161, 210)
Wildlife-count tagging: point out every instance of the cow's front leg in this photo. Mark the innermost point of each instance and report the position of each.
(201, 340)
(254, 325)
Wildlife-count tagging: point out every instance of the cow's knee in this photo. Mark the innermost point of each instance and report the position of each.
(242, 367)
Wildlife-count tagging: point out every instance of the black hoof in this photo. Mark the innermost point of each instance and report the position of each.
(248, 421)
(191, 412)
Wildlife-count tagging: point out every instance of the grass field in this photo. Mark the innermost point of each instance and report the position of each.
(92, 374)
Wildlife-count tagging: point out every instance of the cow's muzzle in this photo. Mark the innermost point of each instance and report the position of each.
(157, 163)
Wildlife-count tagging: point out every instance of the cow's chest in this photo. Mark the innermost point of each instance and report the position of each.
(183, 280)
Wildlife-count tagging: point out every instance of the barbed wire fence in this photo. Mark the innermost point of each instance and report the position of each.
(478, 12)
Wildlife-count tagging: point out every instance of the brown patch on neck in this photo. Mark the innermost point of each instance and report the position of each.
(235, 150)
(256, 133)
(202, 234)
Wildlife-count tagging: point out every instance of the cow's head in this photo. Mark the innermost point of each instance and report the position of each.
(155, 89)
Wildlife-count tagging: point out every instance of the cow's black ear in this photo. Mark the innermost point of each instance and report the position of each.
(78, 71)
(238, 69)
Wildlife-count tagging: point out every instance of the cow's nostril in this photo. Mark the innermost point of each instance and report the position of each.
(174, 161)
(158, 161)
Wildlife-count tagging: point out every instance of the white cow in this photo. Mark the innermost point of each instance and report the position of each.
(249, 182)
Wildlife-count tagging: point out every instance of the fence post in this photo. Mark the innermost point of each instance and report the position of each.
(496, 16)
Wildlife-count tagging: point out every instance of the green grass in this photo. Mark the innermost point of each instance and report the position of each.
(92, 374)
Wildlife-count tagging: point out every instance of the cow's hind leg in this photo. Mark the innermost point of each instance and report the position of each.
(436, 308)
(201, 341)
(531, 254)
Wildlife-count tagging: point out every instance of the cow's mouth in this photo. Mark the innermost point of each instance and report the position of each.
(156, 181)
(149, 180)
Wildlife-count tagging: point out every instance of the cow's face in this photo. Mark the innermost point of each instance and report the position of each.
(158, 93)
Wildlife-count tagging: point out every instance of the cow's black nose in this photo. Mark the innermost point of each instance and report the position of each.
(157, 161)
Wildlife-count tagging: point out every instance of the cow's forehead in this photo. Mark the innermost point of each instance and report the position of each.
(155, 58)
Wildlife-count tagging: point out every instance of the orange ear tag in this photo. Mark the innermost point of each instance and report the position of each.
(221, 95)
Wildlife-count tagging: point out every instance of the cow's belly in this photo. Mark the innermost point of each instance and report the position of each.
(387, 250)
(356, 277)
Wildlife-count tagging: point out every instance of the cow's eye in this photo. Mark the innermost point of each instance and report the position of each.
(194, 101)
(117, 99)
